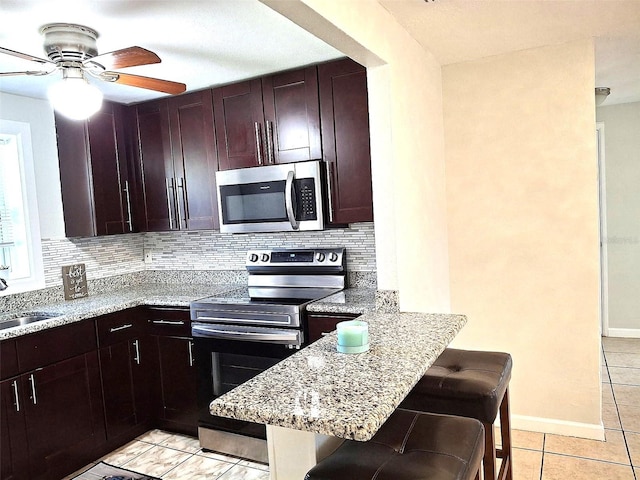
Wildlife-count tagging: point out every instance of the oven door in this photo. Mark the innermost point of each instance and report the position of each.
(272, 198)
(221, 365)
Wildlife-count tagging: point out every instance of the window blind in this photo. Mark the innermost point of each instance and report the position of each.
(6, 223)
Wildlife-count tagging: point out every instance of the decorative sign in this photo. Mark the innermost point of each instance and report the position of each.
(74, 279)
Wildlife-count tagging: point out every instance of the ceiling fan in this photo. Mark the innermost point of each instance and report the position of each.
(72, 49)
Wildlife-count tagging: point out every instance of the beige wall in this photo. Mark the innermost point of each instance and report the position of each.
(622, 236)
(405, 99)
(523, 226)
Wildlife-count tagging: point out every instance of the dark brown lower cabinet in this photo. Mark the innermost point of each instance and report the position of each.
(176, 407)
(63, 416)
(76, 392)
(127, 387)
(178, 410)
(13, 433)
(319, 324)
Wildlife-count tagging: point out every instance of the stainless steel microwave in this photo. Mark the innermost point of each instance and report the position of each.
(273, 198)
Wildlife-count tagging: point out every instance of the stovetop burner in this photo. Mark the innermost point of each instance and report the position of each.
(281, 283)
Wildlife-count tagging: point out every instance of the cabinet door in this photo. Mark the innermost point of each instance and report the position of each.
(13, 436)
(75, 177)
(117, 387)
(292, 116)
(64, 416)
(194, 160)
(322, 323)
(93, 173)
(178, 383)
(344, 113)
(109, 171)
(239, 124)
(154, 167)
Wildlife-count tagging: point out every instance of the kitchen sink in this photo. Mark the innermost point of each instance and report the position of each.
(26, 319)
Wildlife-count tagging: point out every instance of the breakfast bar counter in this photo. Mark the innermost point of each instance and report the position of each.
(348, 396)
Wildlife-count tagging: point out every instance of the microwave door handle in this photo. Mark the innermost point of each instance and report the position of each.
(289, 200)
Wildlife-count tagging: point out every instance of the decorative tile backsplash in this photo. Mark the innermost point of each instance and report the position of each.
(103, 256)
(201, 250)
(210, 250)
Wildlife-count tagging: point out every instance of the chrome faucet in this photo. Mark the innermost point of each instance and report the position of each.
(3, 282)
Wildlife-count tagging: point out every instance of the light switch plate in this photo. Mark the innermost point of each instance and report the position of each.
(148, 256)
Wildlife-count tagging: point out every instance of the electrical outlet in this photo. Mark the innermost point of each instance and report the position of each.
(148, 256)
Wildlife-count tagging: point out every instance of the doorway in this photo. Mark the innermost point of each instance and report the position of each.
(602, 209)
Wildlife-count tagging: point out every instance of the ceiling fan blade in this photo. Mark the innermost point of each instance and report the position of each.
(149, 83)
(28, 72)
(24, 56)
(126, 57)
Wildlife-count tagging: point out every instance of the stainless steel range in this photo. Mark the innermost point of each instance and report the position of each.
(241, 333)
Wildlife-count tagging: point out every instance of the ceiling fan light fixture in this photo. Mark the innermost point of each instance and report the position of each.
(74, 97)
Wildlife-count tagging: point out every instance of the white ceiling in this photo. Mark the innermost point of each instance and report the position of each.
(463, 30)
(211, 42)
(201, 43)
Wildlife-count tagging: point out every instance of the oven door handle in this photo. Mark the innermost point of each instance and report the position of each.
(289, 200)
(268, 337)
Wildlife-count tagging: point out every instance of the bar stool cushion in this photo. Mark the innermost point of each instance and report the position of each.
(409, 446)
(463, 382)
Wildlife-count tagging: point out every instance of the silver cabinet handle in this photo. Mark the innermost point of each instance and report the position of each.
(32, 380)
(15, 394)
(256, 126)
(269, 142)
(169, 185)
(183, 187)
(168, 322)
(288, 200)
(137, 356)
(128, 198)
(190, 353)
(122, 327)
(329, 191)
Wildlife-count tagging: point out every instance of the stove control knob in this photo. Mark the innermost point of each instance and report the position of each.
(253, 257)
(333, 257)
(264, 257)
(320, 257)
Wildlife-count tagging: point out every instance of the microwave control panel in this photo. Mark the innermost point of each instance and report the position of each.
(306, 199)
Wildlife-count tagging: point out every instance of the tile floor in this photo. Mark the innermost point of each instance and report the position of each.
(537, 456)
(540, 456)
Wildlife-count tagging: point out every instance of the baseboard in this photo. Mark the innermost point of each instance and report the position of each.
(624, 332)
(558, 427)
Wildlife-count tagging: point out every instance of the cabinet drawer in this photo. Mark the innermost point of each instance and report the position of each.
(55, 344)
(119, 327)
(8, 359)
(321, 324)
(169, 321)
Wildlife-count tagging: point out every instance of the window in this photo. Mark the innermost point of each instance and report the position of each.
(20, 251)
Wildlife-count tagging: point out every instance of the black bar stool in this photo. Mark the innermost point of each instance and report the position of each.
(471, 384)
(410, 446)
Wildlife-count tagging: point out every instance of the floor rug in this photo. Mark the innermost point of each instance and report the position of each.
(104, 471)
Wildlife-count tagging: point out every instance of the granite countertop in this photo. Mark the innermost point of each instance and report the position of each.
(344, 395)
(351, 300)
(170, 295)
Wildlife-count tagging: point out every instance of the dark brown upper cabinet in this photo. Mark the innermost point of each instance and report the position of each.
(344, 114)
(96, 192)
(267, 121)
(176, 163)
